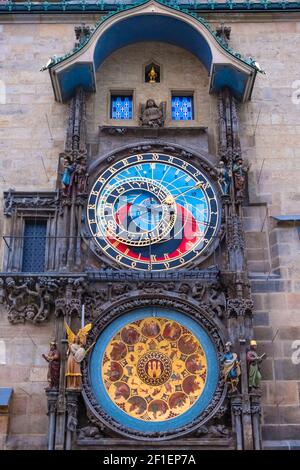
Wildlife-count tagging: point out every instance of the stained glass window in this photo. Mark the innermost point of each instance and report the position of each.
(182, 108)
(121, 107)
(34, 246)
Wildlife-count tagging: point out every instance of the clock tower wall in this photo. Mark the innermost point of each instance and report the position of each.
(33, 150)
(123, 72)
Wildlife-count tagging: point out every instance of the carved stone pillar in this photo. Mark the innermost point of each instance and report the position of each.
(256, 416)
(236, 410)
(239, 304)
(72, 410)
(52, 396)
(73, 184)
(61, 403)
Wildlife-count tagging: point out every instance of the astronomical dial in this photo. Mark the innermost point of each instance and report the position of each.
(153, 212)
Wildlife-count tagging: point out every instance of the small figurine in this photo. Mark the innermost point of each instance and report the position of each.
(152, 115)
(76, 354)
(81, 176)
(53, 359)
(224, 178)
(231, 368)
(254, 360)
(240, 170)
(152, 75)
(66, 179)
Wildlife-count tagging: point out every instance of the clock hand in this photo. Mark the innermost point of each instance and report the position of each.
(149, 209)
(140, 214)
(170, 199)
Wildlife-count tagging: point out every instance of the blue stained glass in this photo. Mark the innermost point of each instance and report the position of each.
(34, 246)
(182, 108)
(121, 107)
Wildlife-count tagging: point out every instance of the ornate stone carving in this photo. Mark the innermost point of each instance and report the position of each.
(222, 411)
(72, 409)
(213, 430)
(235, 238)
(231, 165)
(91, 432)
(20, 201)
(223, 32)
(236, 406)
(82, 33)
(72, 416)
(73, 182)
(29, 299)
(217, 300)
(198, 291)
(52, 396)
(239, 307)
(152, 115)
(70, 296)
(256, 409)
(34, 298)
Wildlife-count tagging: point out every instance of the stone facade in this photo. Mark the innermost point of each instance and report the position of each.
(32, 134)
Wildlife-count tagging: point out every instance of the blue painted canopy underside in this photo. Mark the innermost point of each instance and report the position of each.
(148, 27)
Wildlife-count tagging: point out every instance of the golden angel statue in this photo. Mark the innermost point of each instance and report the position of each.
(76, 354)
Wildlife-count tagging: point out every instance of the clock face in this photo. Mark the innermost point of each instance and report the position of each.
(153, 212)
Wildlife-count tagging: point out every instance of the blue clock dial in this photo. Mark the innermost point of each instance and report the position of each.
(153, 211)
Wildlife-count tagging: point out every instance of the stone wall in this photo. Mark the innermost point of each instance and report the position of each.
(23, 368)
(32, 132)
(270, 134)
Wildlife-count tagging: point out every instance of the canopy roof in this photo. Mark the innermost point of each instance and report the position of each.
(152, 20)
(88, 6)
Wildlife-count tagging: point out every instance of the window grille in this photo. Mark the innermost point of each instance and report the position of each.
(34, 246)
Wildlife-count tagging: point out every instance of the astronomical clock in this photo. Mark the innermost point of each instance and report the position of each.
(154, 371)
(153, 212)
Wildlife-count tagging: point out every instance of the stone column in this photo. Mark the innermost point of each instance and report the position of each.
(236, 410)
(52, 396)
(256, 414)
(72, 410)
(61, 405)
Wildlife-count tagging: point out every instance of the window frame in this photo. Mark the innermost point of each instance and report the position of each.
(183, 93)
(121, 93)
(46, 248)
(22, 206)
